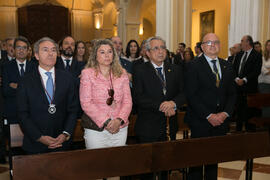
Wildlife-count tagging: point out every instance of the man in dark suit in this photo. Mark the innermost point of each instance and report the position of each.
(247, 66)
(158, 92)
(13, 71)
(66, 61)
(127, 65)
(211, 96)
(234, 51)
(198, 49)
(47, 103)
(9, 55)
(179, 56)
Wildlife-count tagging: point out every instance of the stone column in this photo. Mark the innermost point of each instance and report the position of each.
(247, 19)
(173, 22)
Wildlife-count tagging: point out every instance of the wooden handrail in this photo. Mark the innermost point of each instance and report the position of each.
(144, 158)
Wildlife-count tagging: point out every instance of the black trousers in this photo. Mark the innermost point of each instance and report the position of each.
(206, 130)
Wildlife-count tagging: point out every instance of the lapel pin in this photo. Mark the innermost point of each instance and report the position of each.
(169, 70)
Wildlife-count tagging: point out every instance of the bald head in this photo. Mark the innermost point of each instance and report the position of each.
(211, 45)
(117, 43)
(237, 48)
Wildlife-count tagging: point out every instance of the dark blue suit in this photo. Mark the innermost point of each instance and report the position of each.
(35, 120)
(11, 74)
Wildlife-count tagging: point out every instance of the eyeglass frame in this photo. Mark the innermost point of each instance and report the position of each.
(210, 43)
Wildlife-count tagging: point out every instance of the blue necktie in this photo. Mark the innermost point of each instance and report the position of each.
(22, 70)
(67, 64)
(49, 86)
(159, 70)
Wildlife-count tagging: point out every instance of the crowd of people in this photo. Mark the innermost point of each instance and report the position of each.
(48, 86)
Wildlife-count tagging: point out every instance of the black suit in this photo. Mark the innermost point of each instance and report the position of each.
(75, 67)
(148, 94)
(251, 71)
(177, 59)
(33, 114)
(231, 59)
(11, 74)
(204, 98)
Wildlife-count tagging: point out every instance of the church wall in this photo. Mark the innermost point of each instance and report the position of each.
(222, 21)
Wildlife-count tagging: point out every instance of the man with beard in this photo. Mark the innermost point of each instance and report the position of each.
(66, 61)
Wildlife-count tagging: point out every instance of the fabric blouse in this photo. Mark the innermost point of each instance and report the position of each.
(94, 94)
(264, 77)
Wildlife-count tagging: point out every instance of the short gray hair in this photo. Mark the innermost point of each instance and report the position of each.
(147, 43)
(36, 45)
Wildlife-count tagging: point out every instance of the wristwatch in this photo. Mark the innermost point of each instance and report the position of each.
(121, 121)
(66, 135)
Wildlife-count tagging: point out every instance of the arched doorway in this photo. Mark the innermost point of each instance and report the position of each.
(36, 21)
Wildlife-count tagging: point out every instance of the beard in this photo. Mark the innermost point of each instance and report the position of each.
(68, 52)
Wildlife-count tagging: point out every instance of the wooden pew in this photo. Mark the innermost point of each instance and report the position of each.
(143, 158)
(259, 101)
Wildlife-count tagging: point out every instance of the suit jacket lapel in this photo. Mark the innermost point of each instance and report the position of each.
(16, 69)
(57, 84)
(39, 86)
(223, 68)
(153, 73)
(208, 69)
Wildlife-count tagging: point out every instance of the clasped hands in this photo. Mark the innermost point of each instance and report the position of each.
(51, 142)
(113, 126)
(168, 107)
(240, 82)
(217, 119)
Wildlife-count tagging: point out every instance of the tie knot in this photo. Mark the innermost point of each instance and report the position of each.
(159, 69)
(49, 74)
(214, 61)
(21, 65)
(67, 61)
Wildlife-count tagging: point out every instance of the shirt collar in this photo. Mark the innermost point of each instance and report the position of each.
(156, 66)
(19, 62)
(43, 71)
(210, 59)
(64, 58)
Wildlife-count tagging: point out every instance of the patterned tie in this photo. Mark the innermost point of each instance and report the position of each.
(243, 64)
(216, 72)
(159, 70)
(49, 86)
(22, 70)
(67, 64)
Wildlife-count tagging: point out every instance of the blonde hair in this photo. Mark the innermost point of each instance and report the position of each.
(116, 67)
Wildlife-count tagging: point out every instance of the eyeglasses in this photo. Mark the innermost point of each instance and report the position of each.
(111, 98)
(156, 48)
(210, 43)
(21, 47)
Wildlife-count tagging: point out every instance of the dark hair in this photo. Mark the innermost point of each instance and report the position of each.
(23, 39)
(250, 40)
(128, 48)
(60, 43)
(257, 42)
(266, 53)
(198, 45)
(76, 49)
(183, 44)
(190, 52)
